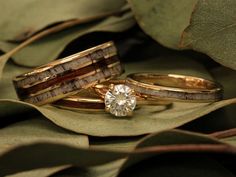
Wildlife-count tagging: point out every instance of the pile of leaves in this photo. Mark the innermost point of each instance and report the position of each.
(191, 37)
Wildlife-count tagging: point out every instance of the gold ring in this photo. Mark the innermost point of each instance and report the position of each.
(69, 75)
(120, 99)
(175, 87)
(92, 100)
(152, 88)
(83, 101)
(121, 96)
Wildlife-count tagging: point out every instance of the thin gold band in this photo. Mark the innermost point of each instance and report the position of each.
(102, 88)
(81, 103)
(90, 103)
(175, 87)
(150, 89)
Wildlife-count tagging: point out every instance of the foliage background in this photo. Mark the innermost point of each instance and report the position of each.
(192, 37)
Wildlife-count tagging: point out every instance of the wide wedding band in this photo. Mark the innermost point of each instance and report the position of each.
(69, 75)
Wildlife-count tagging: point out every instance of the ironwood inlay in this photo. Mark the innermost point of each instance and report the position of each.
(80, 105)
(60, 67)
(24, 92)
(72, 86)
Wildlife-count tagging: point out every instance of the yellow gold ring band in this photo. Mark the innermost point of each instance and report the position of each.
(175, 87)
(69, 75)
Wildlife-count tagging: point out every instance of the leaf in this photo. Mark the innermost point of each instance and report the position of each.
(165, 20)
(179, 165)
(57, 154)
(40, 14)
(180, 161)
(212, 31)
(116, 143)
(110, 169)
(38, 130)
(226, 76)
(148, 119)
(174, 164)
(43, 172)
(230, 140)
(35, 131)
(227, 136)
(51, 46)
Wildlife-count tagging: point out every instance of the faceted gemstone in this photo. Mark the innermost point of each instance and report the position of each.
(120, 100)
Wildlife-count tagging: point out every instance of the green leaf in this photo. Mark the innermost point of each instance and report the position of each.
(51, 46)
(226, 76)
(56, 155)
(165, 20)
(38, 130)
(116, 143)
(35, 131)
(42, 13)
(181, 161)
(212, 31)
(230, 140)
(172, 140)
(168, 142)
(110, 169)
(147, 119)
(179, 165)
(43, 172)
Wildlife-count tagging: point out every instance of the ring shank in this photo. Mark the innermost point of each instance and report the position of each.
(174, 87)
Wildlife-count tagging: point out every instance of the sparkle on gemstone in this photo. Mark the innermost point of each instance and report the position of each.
(120, 101)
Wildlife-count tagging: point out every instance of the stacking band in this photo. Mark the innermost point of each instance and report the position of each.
(67, 76)
(174, 87)
(97, 98)
(78, 102)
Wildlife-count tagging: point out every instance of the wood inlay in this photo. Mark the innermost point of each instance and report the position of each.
(24, 92)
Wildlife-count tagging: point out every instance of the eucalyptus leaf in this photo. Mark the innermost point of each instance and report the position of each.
(226, 77)
(115, 143)
(179, 165)
(38, 130)
(147, 119)
(169, 164)
(43, 172)
(58, 154)
(227, 136)
(230, 140)
(35, 131)
(165, 20)
(21, 19)
(110, 169)
(205, 27)
(51, 46)
(212, 31)
(105, 125)
(170, 139)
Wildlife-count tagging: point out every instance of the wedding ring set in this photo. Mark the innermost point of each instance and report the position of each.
(87, 81)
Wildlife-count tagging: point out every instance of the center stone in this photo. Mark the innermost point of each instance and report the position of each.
(120, 100)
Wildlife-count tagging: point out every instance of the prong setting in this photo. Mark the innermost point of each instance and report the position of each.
(120, 100)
